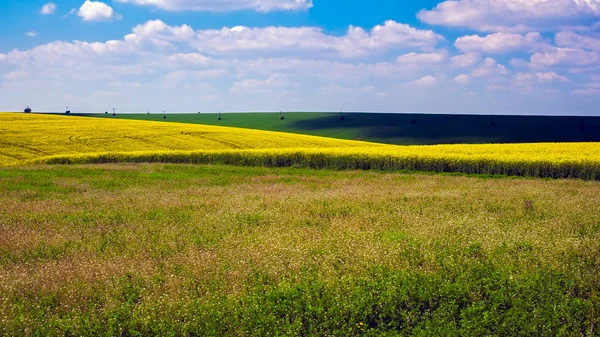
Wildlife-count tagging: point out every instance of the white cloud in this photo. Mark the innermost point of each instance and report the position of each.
(15, 75)
(48, 8)
(500, 43)
(489, 68)
(465, 60)
(528, 79)
(551, 77)
(564, 56)
(226, 5)
(590, 89)
(356, 42)
(193, 59)
(423, 58)
(462, 79)
(510, 15)
(273, 82)
(96, 11)
(429, 80)
(574, 40)
(183, 75)
(158, 30)
(31, 33)
(160, 64)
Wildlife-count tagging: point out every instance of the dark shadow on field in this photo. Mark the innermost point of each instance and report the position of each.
(451, 129)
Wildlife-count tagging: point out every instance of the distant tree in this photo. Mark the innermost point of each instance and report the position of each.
(27, 110)
(281, 115)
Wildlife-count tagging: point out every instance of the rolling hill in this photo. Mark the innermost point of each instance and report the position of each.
(403, 129)
(32, 136)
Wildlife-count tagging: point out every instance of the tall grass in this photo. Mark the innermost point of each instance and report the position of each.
(395, 159)
(194, 250)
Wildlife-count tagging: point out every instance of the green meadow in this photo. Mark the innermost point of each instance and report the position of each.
(401, 128)
(205, 250)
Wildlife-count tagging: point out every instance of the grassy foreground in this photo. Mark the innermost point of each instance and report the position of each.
(162, 249)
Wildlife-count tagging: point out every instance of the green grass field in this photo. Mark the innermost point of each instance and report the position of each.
(164, 249)
(404, 129)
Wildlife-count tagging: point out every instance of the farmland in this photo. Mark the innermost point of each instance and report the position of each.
(153, 228)
(62, 139)
(403, 128)
(163, 249)
(27, 137)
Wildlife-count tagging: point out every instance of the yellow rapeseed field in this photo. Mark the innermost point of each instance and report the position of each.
(27, 139)
(33, 136)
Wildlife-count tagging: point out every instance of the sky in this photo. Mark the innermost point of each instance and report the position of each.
(434, 56)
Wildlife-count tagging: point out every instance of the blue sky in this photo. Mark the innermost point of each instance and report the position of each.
(453, 56)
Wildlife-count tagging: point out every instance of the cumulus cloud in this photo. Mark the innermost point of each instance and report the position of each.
(193, 59)
(429, 80)
(589, 89)
(574, 40)
(489, 68)
(551, 77)
(158, 30)
(96, 11)
(48, 8)
(423, 58)
(564, 56)
(281, 61)
(235, 40)
(500, 43)
(273, 82)
(462, 79)
(31, 33)
(226, 5)
(183, 75)
(357, 42)
(528, 79)
(510, 15)
(465, 60)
